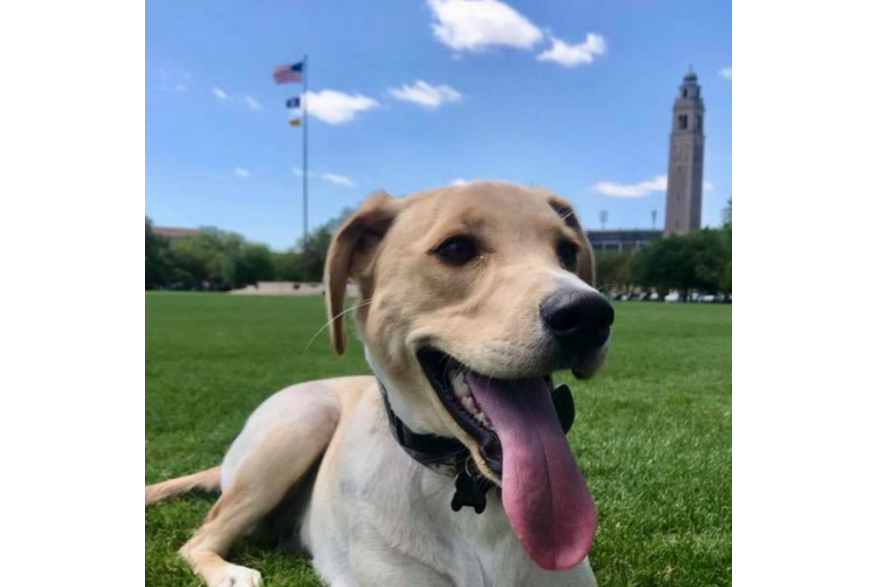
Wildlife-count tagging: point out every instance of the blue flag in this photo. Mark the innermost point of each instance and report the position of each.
(294, 102)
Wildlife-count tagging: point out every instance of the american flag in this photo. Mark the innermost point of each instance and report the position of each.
(284, 74)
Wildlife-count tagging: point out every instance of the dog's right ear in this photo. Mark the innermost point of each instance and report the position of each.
(351, 255)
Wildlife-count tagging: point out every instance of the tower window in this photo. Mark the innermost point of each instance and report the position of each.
(685, 93)
(699, 122)
(683, 121)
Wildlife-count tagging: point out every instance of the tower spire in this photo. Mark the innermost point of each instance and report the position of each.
(685, 165)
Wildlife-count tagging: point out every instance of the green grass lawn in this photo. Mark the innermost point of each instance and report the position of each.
(653, 429)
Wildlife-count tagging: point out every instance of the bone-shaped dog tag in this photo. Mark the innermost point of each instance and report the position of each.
(565, 406)
(470, 492)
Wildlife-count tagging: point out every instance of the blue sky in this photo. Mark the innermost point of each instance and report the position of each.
(411, 94)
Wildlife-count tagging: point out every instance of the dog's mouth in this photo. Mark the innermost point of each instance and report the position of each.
(520, 439)
(449, 380)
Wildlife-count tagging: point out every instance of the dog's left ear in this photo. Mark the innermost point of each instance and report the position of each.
(587, 270)
(351, 255)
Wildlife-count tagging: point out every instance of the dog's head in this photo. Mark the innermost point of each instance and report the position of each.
(472, 296)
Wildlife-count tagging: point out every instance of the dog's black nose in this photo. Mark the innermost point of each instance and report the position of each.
(576, 316)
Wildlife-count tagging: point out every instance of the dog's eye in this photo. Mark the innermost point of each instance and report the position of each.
(567, 253)
(457, 250)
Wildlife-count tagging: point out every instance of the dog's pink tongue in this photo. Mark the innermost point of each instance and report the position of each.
(543, 492)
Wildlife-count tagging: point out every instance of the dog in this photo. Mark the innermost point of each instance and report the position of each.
(449, 466)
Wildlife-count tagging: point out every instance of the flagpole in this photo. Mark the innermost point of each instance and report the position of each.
(305, 155)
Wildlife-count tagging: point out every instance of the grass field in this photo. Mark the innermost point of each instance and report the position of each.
(653, 430)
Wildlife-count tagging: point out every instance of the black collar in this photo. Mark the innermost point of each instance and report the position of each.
(451, 457)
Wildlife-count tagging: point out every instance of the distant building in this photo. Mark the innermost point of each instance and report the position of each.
(685, 165)
(621, 240)
(172, 233)
(684, 177)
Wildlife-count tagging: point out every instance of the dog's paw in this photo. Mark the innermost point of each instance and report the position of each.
(237, 576)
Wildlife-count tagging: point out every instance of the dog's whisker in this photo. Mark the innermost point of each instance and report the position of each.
(334, 318)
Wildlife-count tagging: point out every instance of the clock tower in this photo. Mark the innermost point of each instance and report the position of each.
(685, 168)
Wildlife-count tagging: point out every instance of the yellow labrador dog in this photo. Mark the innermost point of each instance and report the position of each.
(449, 466)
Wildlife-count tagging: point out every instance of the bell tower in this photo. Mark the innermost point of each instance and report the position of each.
(685, 167)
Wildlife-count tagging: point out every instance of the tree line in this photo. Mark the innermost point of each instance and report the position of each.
(697, 261)
(217, 260)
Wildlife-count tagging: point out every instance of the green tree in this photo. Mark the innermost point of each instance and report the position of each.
(221, 260)
(698, 260)
(209, 257)
(287, 265)
(314, 252)
(158, 267)
(252, 263)
(613, 270)
(316, 248)
(709, 255)
(728, 277)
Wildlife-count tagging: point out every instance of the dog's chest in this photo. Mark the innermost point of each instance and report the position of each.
(407, 507)
(383, 513)
(469, 549)
(481, 549)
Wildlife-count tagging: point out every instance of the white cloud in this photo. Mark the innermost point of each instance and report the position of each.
(574, 55)
(637, 190)
(219, 93)
(337, 107)
(335, 178)
(338, 179)
(459, 182)
(252, 103)
(472, 25)
(426, 95)
(173, 81)
(725, 72)
(241, 173)
(633, 190)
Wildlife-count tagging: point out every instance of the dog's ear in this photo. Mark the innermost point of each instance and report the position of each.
(351, 255)
(587, 270)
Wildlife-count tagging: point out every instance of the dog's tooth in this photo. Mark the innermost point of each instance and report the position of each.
(458, 391)
(468, 403)
(461, 389)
